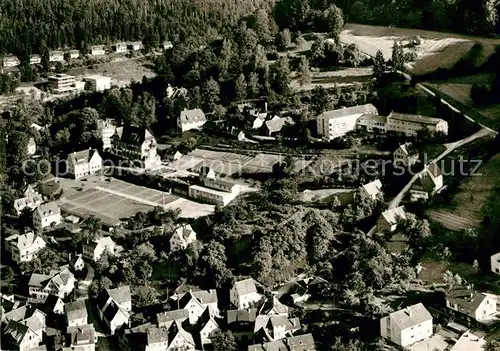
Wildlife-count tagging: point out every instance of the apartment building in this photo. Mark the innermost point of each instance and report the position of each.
(410, 125)
(64, 83)
(336, 123)
(98, 83)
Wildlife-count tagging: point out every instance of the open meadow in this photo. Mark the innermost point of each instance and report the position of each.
(436, 50)
(469, 200)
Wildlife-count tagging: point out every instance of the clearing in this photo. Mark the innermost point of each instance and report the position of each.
(437, 49)
(337, 77)
(470, 198)
(122, 70)
(459, 89)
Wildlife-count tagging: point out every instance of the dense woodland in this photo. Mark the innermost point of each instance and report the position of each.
(28, 26)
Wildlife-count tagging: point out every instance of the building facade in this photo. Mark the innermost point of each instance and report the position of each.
(46, 215)
(244, 293)
(25, 247)
(98, 83)
(336, 123)
(495, 263)
(405, 155)
(83, 163)
(137, 145)
(191, 119)
(411, 125)
(474, 304)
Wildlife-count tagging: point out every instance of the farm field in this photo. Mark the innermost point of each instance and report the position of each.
(329, 79)
(122, 70)
(459, 90)
(472, 195)
(437, 49)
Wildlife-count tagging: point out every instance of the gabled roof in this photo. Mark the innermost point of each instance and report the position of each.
(105, 241)
(17, 314)
(82, 334)
(76, 310)
(275, 125)
(185, 233)
(392, 216)
(134, 135)
(170, 316)
(176, 329)
(28, 201)
(410, 316)
(301, 343)
(51, 302)
(349, 111)
(48, 209)
(273, 304)
(246, 286)
(246, 316)
(277, 345)
(206, 317)
(194, 115)
(373, 188)
(206, 297)
(466, 298)
(112, 310)
(413, 118)
(155, 335)
(121, 294)
(16, 330)
(82, 157)
(372, 117)
(408, 149)
(25, 241)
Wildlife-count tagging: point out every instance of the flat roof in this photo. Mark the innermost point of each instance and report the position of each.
(210, 191)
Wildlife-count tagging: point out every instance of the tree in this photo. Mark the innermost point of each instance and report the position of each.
(219, 111)
(379, 65)
(398, 57)
(145, 251)
(145, 295)
(7, 273)
(352, 56)
(253, 85)
(213, 259)
(143, 270)
(304, 71)
(240, 88)
(335, 21)
(91, 229)
(146, 110)
(281, 76)
(210, 94)
(493, 345)
(99, 285)
(283, 40)
(223, 341)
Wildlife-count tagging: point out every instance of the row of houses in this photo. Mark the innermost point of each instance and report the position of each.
(337, 123)
(414, 323)
(94, 50)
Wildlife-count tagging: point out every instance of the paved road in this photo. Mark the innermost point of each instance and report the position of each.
(452, 147)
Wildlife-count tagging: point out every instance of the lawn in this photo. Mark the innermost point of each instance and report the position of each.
(336, 77)
(470, 198)
(459, 89)
(437, 49)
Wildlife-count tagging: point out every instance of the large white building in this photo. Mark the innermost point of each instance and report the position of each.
(215, 191)
(371, 123)
(191, 119)
(64, 83)
(336, 123)
(25, 247)
(410, 125)
(244, 293)
(136, 144)
(84, 163)
(473, 304)
(98, 82)
(495, 263)
(46, 215)
(407, 326)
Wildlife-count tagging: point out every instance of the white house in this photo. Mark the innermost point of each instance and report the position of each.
(114, 306)
(182, 237)
(24, 335)
(191, 119)
(76, 313)
(56, 56)
(244, 293)
(106, 129)
(405, 155)
(77, 263)
(135, 46)
(495, 263)
(30, 202)
(208, 327)
(389, 219)
(95, 249)
(10, 61)
(429, 181)
(60, 283)
(410, 125)
(31, 148)
(97, 50)
(473, 304)
(469, 342)
(120, 47)
(407, 326)
(84, 163)
(372, 123)
(157, 339)
(336, 123)
(73, 54)
(373, 189)
(46, 215)
(167, 45)
(196, 302)
(276, 327)
(35, 59)
(82, 337)
(216, 191)
(179, 339)
(25, 247)
(98, 82)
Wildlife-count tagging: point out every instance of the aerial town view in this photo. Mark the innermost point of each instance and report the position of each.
(256, 175)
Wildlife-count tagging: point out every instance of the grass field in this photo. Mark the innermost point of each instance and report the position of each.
(437, 49)
(339, 77)
(459, 89)
(472, 195)
(122, 71)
